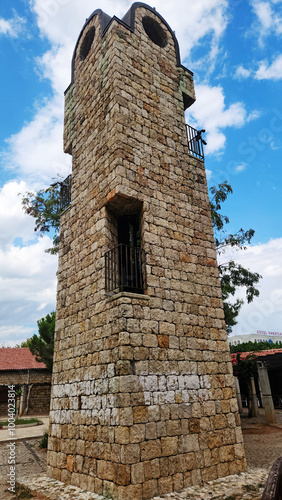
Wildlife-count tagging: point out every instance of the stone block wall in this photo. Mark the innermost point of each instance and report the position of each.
(20, 377)
(143, 398)
(40, 398)
(40, 395)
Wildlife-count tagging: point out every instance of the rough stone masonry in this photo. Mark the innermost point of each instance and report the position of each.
(143, 398)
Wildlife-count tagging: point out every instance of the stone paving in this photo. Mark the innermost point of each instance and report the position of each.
(245, 486)
(30, 461)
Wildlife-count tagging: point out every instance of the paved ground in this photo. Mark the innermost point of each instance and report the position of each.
(23, 449)
(263, 445)
(26, 432)
(29, 460)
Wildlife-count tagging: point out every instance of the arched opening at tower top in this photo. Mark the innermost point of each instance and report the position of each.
(154, 31)
(86, 43)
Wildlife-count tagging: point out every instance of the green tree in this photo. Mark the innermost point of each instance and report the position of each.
(46, 206)
(232, 274)
(263, 345)
(42, 345)
(24, 343)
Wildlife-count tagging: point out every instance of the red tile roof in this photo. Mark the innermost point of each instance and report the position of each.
(18, 358)
(267, 352)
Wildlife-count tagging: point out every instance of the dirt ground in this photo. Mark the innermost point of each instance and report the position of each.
(263, 445)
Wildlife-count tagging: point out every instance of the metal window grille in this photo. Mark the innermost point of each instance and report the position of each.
(125, 269)
(65, 193)
(195, 142)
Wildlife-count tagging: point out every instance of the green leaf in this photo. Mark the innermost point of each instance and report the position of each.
(42, 345)
(45, 207)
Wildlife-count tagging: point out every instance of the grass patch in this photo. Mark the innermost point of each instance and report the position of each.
(44, 441)
(22, 492)
(22, 421)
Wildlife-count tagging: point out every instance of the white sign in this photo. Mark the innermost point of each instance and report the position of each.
(262, 332)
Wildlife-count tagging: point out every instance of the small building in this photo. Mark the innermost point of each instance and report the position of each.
(259, 336)
(31, 379)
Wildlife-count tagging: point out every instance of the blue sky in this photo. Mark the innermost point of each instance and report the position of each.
(233, 48)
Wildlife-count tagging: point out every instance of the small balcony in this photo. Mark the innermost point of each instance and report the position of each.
(65, 193)
(195, 142)
(125, 269)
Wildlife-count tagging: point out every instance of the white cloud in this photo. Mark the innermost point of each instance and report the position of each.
(208, 174)
(268, 23)
(27, 286)
(203, 19)
(36, 152)
(15, 332)
(52, 65)
(210, 112)
(263, 11)
(241, 167)
(62, 20)
(265, 312)
(5, 27)
(27, 273)
(242, 73)
(265, 71)
(13, 222)
(253, 115)
(11, 27)
(272, 71)
(268, 18)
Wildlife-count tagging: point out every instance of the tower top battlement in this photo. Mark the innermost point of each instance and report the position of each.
(128, 21)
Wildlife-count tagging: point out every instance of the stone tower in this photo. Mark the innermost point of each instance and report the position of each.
(143, 401)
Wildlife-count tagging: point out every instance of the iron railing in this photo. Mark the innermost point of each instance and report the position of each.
(125, 269)
(65, 193)
(195, 142)
(64, 199)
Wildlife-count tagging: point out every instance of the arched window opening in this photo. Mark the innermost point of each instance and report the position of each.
(86, 43)
(154, 31)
